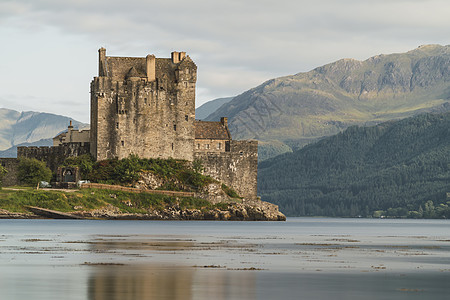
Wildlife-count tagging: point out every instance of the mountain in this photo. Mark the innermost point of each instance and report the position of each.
(398, 167)
(305, 107)
(28, 127)
(203, 111)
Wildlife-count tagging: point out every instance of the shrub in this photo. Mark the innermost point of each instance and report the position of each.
(84, 162)
(229, 191)
(31, 171)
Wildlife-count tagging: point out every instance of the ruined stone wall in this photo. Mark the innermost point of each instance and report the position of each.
(131, 115)
(11, 165)
(237, 169)
(54, 156)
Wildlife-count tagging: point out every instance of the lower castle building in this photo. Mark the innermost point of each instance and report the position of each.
(146, 106)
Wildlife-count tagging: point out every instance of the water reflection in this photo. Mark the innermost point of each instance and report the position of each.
(167, 282)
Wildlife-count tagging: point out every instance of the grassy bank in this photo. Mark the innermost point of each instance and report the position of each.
(90, 199)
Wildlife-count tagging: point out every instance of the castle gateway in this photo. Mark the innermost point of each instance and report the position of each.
(146, 106)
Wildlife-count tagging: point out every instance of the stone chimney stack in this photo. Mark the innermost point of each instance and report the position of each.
(224, 121)
(102, 62)
(175, 57)
(151, 67)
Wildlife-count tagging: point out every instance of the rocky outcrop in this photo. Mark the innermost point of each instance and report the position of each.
(5, 214)
(248, 211)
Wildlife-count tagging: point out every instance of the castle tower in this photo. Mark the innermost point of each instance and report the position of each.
(143, 106)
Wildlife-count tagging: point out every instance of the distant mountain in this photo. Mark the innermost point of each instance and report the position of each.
(28, 127)
(399, 168)
(203, 111)
(12, 152)
(305, 107)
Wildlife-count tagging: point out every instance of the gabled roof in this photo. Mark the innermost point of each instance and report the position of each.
(134, 73)
(211, 130)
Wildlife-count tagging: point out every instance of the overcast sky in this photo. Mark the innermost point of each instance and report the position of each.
(48, 48)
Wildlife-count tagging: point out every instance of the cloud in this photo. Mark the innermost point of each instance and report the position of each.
(236, 44)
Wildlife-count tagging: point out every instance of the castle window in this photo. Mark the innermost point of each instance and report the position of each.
(117, 125)
(185, 84)
(219, 145)
(123, 143)
(207, 146)
(186, 117)
(175, 127)
(241, 153)
(172, 146)
(145, 100)
(198, 146)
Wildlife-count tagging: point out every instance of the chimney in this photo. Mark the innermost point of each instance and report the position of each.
(224, 121)
(182, 55)
(175, 57)
(102, 62)
(151, 67)
(69, 132)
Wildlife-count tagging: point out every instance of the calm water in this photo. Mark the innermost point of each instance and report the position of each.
(303, 258)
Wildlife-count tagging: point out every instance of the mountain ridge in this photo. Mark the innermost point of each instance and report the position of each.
(30, 127)
(307, 106)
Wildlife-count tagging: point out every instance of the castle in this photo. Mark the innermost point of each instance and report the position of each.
(146, 106)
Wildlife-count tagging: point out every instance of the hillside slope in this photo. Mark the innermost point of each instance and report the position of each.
(203, 111)
(304, 107)
(28, 127)
(396, 167)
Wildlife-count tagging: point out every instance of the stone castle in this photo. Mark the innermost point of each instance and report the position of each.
(146, 106)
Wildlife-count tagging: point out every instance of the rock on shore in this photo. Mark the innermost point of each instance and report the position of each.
(253, 211)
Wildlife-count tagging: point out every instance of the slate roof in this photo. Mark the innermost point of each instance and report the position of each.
(211, 130)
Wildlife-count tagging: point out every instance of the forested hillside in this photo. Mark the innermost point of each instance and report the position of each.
(395, 169)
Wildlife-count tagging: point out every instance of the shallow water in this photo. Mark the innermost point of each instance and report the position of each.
(303, 258)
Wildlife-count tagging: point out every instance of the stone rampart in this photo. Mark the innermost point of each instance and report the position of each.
(54, 156)
(236, 168)
(11, 165)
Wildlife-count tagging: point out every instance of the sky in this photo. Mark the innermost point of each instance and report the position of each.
(48, 48)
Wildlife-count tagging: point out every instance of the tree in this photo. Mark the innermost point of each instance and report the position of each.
(32, 171)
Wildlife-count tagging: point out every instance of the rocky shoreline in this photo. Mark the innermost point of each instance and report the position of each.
(249, 211)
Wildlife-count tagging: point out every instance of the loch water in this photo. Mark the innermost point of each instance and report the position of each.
(302, 258)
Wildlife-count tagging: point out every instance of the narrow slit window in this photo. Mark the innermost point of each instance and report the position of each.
(175, 127)
(123, 143)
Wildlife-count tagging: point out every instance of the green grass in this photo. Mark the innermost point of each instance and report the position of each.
(89, 199)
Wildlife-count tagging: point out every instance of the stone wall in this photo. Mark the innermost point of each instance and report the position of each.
(11, 165)
(54, 156)
(237, 168)
(131, 114)
(211, 145)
